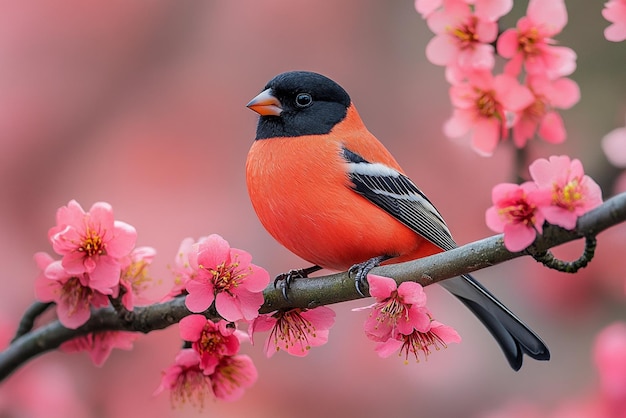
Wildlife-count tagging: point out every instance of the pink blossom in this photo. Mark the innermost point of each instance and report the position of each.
(135, 277)
(232, 376)
(295, 330)
(186, 381)
(401, 321)
(615, 12)
(540, 116)
(614, 147)
(227, 276)
(462, 38)
(99, 345)
(518, 212)
(483, 104)
(573, 192)
(437, 336)
(182, 269)
(397, 308)
(72, 294)
(609, 349)
(531, 43)
(91, 242)
(211, 340)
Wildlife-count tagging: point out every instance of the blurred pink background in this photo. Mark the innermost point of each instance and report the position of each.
(142, 105)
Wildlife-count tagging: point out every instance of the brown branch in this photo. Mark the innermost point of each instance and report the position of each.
(322, 290)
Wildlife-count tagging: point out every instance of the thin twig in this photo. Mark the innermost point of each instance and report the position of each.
(30, 316)
(549, 260)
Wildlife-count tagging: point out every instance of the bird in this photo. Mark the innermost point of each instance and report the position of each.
(330, 192)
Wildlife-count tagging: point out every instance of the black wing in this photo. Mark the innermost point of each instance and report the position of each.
(397, 195)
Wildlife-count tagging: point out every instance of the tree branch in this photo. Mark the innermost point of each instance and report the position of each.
(319, 291)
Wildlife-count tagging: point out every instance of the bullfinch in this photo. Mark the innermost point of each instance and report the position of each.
(326, 189)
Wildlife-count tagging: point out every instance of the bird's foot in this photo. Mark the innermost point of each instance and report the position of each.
(287, 278)
(361, 270)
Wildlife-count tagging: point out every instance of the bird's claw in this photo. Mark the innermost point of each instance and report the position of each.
(360, 277)
(361, 270)
(286, 279)
(290, 276)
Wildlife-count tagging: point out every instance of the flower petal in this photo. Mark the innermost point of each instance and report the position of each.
(486, 136)
(381, 287)
(551, 15)
(518, 237)
(106, 275)
(387, 348)
(200, 296)
(257, 281)
(412, 293)
(213, 251)
(552, 128)
(123, 241)
(191, 327)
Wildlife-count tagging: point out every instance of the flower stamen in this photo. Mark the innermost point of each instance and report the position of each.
(74, 295)
(417, 342)
(292, 329)
(487, 105)
(92, 244)
(465, 33)
(227, 277)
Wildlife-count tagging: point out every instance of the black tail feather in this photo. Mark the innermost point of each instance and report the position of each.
(513, 336)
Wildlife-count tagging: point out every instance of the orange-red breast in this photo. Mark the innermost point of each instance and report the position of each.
(327, 189)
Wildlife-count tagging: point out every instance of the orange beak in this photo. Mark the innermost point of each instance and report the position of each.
(266, 104)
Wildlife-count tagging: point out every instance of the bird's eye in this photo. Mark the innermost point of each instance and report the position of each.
(304, 100)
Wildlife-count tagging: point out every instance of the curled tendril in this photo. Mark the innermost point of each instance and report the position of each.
(547, 258)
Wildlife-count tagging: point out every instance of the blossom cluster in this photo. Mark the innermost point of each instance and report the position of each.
(96, 251)
(211, 272)
(100, 266)
(99, 263)
(400, 321)
(488, 105)
(211, 366)
(559, 193)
